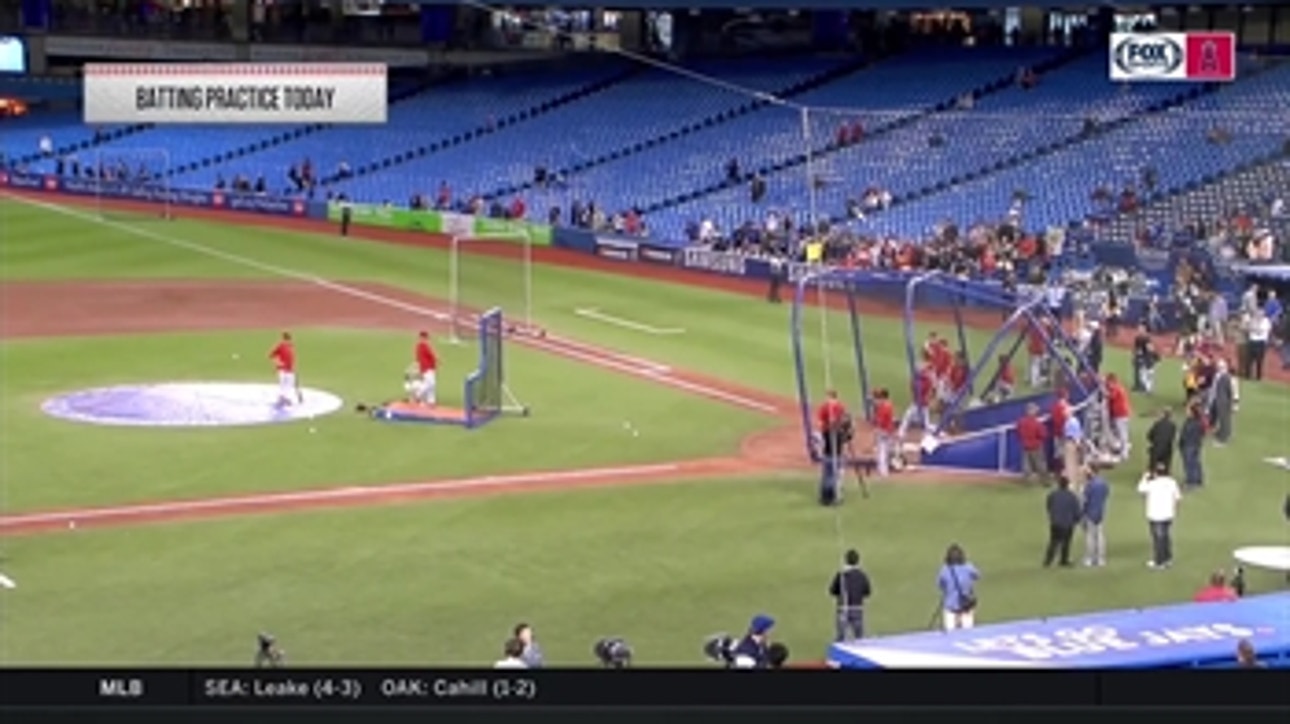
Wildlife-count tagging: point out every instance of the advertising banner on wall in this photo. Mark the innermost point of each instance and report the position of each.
(149, 193)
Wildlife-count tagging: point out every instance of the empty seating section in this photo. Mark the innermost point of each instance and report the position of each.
(20, 137)
(626, 113)
(999, 127)
(772, 134)
(1173, 142)
(1258, 184)
(660, 141)
(437, 115)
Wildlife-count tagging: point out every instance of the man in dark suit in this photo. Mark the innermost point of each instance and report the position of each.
(850, 588)
(1160, 441)
(1191, 441)
(1222, 401)
(1064, 511)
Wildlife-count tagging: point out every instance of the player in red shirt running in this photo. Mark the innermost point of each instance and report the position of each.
(427, 364)
(284, 359)
(884, 423)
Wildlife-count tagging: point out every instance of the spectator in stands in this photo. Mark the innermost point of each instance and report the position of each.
(733, 172)
(1216, 591)
(757, 188)
(1272, 307)
(46, 145)
(518, 209)
(343, 171)
(1097, 493)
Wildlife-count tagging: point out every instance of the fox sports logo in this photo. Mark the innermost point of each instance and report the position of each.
(1148, 55)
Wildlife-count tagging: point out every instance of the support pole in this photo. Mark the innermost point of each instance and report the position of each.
(799, 363)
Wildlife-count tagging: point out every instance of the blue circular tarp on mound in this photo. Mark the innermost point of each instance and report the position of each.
(188, 404)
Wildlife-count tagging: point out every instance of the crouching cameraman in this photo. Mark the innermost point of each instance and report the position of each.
(753, 651)
(267, 654)
(836, 432)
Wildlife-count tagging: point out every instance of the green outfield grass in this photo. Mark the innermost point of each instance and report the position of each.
(114, 465)
(443, 581)
(663, 566)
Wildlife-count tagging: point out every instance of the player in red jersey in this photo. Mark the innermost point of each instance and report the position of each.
(1119, 411)
(427, 363)
(284, 359)
(884, 423)
(917, 412)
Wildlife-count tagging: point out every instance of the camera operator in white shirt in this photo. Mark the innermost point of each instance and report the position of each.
(512, 655)
(1162, 495)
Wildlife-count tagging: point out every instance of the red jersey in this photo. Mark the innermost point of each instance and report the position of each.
(1117, 402)
(284, 356)
(1005, 374)
(923, 386)
(1035, 341)
(958, 376)
(426, 359)
(942, 360)
(884, 416)
(1031, 433)
(1216, 594)
(1059, 415)
(830, 413)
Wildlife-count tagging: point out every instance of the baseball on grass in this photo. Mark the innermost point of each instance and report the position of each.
(237, 356)
(313, 430)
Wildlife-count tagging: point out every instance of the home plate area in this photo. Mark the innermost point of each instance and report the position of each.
(414, 412)
(188, 404)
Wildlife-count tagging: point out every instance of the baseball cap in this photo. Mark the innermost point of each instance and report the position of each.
(761, 623)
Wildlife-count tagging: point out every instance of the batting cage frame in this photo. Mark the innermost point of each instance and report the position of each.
(971, 430)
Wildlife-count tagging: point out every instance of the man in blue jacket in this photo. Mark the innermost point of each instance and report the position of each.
(752, 650)
(1096, 494)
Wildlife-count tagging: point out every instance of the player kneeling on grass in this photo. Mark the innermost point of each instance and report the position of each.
(426, 364)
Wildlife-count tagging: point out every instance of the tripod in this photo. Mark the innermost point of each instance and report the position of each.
(858, 469)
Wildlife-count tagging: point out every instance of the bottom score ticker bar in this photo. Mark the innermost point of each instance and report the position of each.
(638, 688)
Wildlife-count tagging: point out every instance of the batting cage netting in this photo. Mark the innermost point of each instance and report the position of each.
(962, 365)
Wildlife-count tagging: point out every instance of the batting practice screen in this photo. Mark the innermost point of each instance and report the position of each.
(484, 385)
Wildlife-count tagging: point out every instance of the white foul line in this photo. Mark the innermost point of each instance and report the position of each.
(599, 316)
(605, 359)
(324, 495)
(7, 582)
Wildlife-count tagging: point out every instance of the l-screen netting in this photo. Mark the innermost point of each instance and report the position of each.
(127, 184)
(492, 271)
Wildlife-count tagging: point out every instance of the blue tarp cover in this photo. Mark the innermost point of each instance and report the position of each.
(1171, 636)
